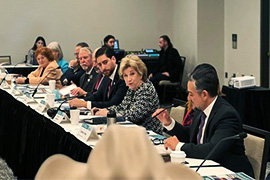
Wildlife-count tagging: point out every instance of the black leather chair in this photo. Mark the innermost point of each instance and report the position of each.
(175, 86)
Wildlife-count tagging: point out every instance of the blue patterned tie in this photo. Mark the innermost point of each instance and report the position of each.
(199, 136)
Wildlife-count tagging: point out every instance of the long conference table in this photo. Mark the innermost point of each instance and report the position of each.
(28, 138)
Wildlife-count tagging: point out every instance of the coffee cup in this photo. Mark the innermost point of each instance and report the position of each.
(178, 157)
(50, 99)
(52, 84)
(8, 79)
(74, 116)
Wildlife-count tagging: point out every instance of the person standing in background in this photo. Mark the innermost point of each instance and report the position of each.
(58, 55)
(31, 59)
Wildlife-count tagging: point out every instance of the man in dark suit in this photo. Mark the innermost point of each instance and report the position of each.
(214, 120)
(112, 89)
(89, 78)
(75, 71)
(169, 62)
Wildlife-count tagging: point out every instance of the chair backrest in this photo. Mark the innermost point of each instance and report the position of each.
(182, 68)
(178, 113)
(5, 60)
(257, 148)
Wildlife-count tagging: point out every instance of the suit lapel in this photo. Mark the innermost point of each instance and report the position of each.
(211, 117)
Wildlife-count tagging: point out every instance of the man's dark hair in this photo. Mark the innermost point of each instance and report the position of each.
(107, 38)
(82, 44)
(205, 77)
(166, 38)
(105, 50)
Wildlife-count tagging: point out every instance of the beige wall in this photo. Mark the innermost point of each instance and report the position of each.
(203, 33)
(136, 23)
(242, 17)
(185, 33)
(211, 34)
(200, 29)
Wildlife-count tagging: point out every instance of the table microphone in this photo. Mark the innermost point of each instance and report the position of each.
(35, 90)
(239, 136)
(52, 111)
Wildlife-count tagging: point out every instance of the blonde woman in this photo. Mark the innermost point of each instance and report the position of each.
(141, 99)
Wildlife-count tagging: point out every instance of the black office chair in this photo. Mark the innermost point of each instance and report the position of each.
(5, 60)
(177, 88)
(257, 149)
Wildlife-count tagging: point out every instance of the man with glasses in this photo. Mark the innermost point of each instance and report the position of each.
(74, 71)
(112, 89)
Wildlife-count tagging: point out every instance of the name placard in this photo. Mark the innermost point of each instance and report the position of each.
(15, 91)
(58, 118)
(86, 132)
(42, 106)
(28, 99)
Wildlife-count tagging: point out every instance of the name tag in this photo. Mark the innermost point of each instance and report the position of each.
(42, 106)
(28, 98)
(15, 91)
(86, 132)
(5, 85)
(58, 118)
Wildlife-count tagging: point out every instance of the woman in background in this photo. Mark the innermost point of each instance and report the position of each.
(40, 42)
(48, 68)
(58, 56)
(141, 99)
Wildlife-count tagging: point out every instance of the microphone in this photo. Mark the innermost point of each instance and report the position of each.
(4, 77)
(239, 136)
(35, 90)
(52, 111)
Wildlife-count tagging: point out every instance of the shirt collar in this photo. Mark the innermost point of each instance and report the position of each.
(89, 72)
(209, 108)
(114, 72)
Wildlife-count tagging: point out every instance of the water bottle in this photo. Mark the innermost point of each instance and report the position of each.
(111, 118)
